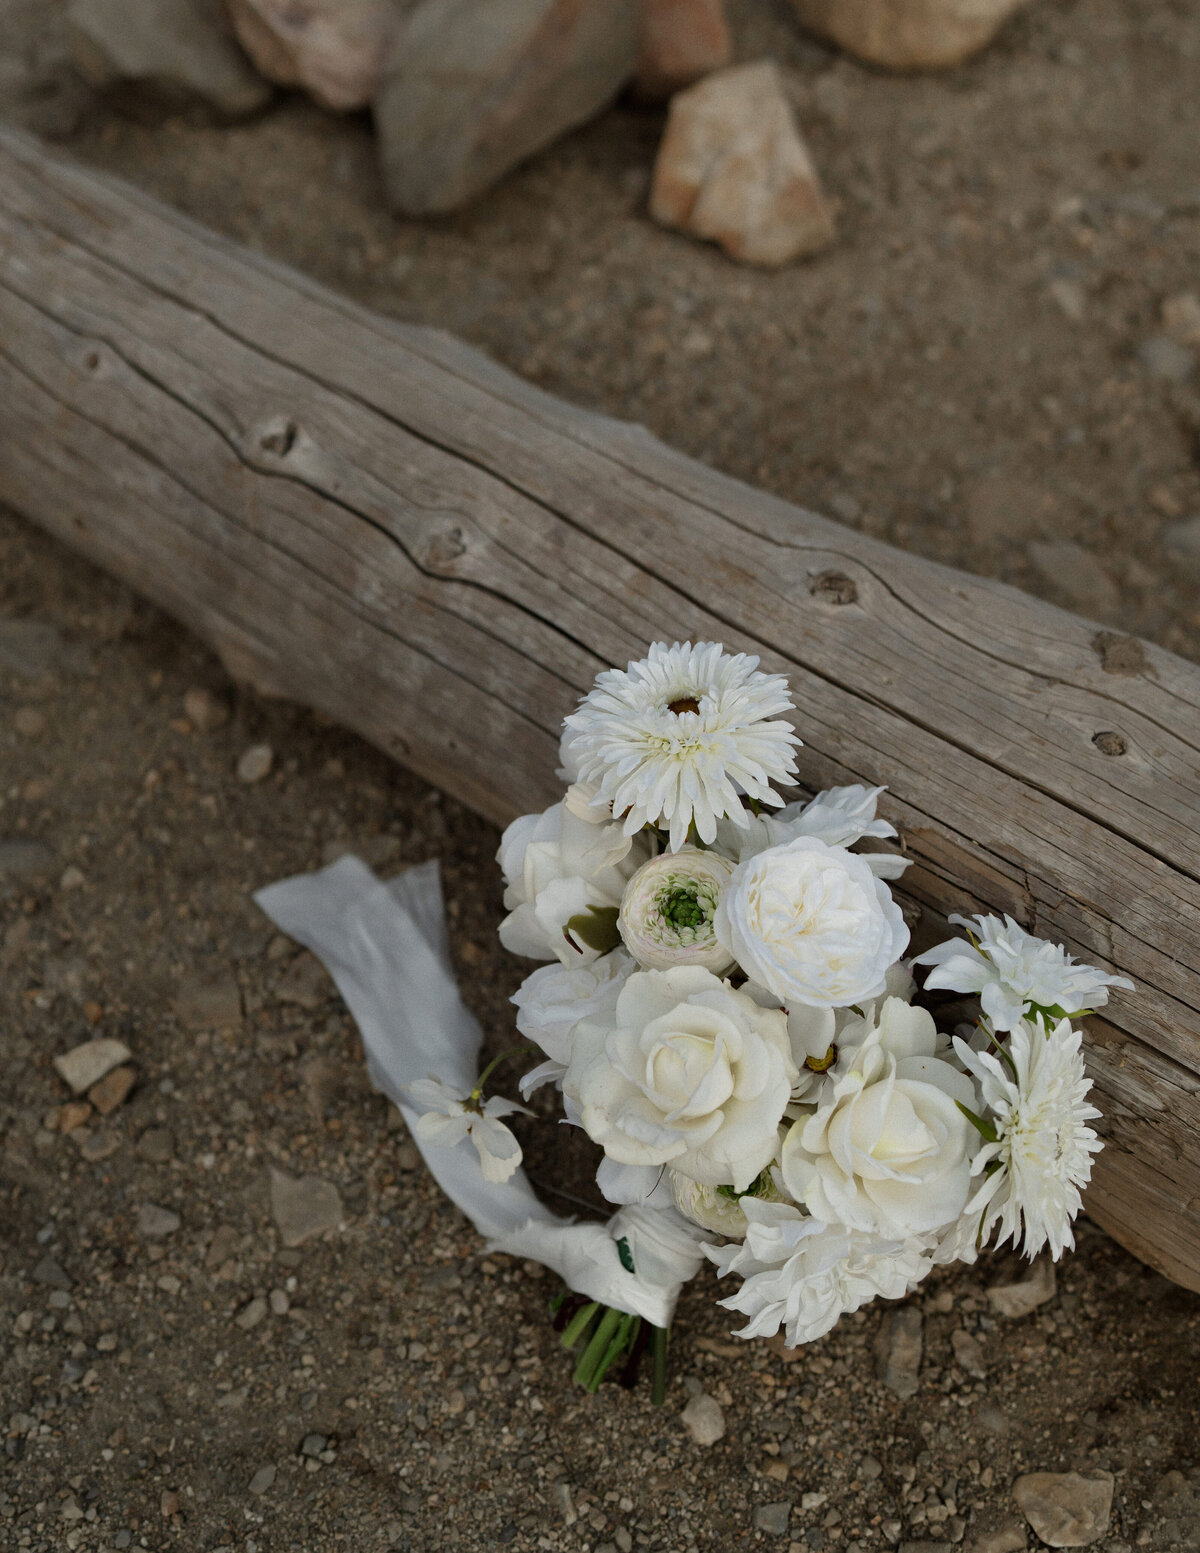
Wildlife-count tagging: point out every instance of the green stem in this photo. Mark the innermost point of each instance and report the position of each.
(597, 1347)
(658, 1342)
(623, 1339)
(509, 1051)
(579, 1324)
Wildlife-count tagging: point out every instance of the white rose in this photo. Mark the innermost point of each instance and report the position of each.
(694, 1074)
(556, 866)
(812, 923)
(668, 908)
(553, 999)
(887, 1149)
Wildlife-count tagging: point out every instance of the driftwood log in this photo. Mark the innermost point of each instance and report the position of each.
(374, 519)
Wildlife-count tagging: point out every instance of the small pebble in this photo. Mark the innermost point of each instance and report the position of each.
(251, 1314)
(205, 711)
(774, 1518)
(86, 1065)
(280, 1304)
(155, 1223)
(704, 1419)
(255, 763)
(262, 1480)
(112, 1090)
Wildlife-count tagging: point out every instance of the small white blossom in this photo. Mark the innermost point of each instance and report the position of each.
(839, 817)
(1035, 1097)
(1013, 972)
(668, 908)
(451, 1116)
(802, 1275)
(679, 737)
(812, 923)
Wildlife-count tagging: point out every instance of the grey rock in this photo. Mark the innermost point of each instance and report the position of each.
(333, 49)
(703, 1419)
(303, 1207)
(178, 49)
(254, 764)
(156, 1145)
(87, 1064)
(898, 1350)
(774, 1518)
(471, 88)
(1182, 540)
(24, 860)
(156, 1223)
(1066, 1509)
(313, 1444)
(252, 1314)
(209, 1003)
(33, 648)
(1007, 1537)
(49, 1272)
(1166, 359)
(1015, 1300)
(968, 1353)
(1076, 574)
(870, 1468)
(305, 983)
(262, 1480)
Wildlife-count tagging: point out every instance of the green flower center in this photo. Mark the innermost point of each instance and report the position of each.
(681, 907)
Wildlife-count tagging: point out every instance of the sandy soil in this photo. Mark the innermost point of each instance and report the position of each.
(965, 373)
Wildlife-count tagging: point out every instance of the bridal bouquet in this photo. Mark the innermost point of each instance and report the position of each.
(725, 1006)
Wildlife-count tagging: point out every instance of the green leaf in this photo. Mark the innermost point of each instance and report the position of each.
(984, 1129)
(596, 927)
(625, 1254)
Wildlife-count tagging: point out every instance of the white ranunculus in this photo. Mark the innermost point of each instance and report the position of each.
(668, 908)
(557, 866)
(802, 1275)
(718, 1209)
(691, 1074)
(887, 1150)
(812, 923)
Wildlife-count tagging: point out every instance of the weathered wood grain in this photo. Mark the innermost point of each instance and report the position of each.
(374, 519)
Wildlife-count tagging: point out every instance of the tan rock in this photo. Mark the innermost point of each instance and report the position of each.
(205, 711)
(473, 87)
(908, 34)
(1181, 318)
(333, 49)
(74, 1114)
(732, 168)
(680, 41)
(1015, 1300)
(1066, 1509)
(112, 1090)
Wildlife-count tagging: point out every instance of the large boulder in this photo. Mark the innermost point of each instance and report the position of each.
(473, 87)
(333, 49)
(681, 40)
(908, 34)
(178, 50)
(732, 168)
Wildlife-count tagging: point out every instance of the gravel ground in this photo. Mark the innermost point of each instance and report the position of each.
(971, 372)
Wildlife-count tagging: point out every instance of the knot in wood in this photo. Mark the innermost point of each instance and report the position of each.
(443, 547)
(1109, 743)
(834, 588)
(278, 436)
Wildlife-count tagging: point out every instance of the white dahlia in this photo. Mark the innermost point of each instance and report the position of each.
(1035, 1094)
(1014, 973)
(677, 738)
(802, 1275)
(667, 911)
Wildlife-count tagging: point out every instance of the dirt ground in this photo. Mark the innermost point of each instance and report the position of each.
(970, 372)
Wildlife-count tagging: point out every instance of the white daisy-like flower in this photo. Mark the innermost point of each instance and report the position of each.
(802, 1275)
(679, 737)
(1034, 1091)
(451, 1116)
(1014, 973)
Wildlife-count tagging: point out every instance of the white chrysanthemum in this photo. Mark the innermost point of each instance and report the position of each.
(1013, 972)
(668, 908)
(1035, 1094)
(677, 738)
(802, 1275)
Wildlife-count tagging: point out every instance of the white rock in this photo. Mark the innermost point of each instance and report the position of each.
(86, 1065)
(968, 1353)
(680, 41)
(732, 168)
(908, 34)
(333, 49)
(1066, 1509)
(255, 763)
(1019, 1299)
(703, 1419)
(898, 1350)
(178, 48)
(303, 1207)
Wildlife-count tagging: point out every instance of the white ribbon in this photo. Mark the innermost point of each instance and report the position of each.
(385, 946)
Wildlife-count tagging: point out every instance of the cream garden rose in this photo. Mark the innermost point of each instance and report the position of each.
(811, 923)
(668, 908)
(693, 1074)
(887, 1150)
(558, 865)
